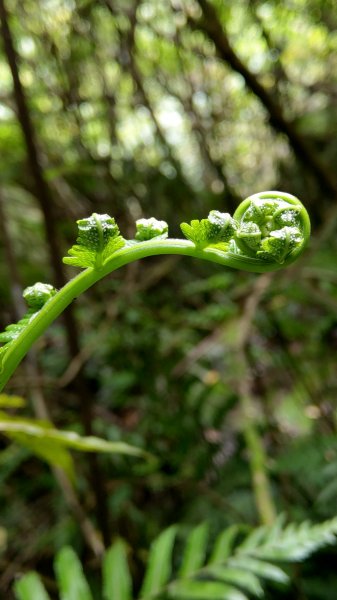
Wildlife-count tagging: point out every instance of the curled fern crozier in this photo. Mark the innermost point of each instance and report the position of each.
(272, 226)
(268, 230)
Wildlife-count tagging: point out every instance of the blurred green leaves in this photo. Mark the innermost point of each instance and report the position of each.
(162, 365)
(52, 445)
(239, 573)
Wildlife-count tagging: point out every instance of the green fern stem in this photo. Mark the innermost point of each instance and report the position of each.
(79, 284)
(268, 231)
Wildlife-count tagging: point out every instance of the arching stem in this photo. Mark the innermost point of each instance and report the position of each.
(79, 284)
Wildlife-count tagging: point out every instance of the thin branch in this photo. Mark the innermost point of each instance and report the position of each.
(212, 27)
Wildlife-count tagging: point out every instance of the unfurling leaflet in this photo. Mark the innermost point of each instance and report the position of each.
(36, 297)
(147, 229)
(218, 228)
(98, 238)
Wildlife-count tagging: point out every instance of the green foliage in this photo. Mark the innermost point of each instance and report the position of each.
(195, 551)
(69, 573)
(52, 445)
(29, 587)
(117, 582)
(98, 238)
(232, 570)
(159, 564)
(139, 112)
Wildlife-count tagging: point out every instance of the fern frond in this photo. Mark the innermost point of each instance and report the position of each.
(295, 542)
(238, 571)
(98, 238)
(230, 571)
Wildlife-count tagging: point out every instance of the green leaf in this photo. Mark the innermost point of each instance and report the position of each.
(117, 584)
(261, 210)
(52, 445)
(195, 551)
(253, 539)
(69, 439)
(224, 544)
(7, 401)
(241, 578)
(260, 568)
(98, 238)
(159, 563)
(218, 228)
(196, 232)
(69, 574)
(221, 226)
(30, 587)
(296, 542)
(280, 243)
(250, 233)
(265, 536)
(204, 590)
(49, 451)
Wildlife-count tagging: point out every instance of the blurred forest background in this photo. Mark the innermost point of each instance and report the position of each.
(170, 108)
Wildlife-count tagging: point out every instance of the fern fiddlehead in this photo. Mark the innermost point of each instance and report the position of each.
(268, 231)
(36, 296)
(272, 227)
